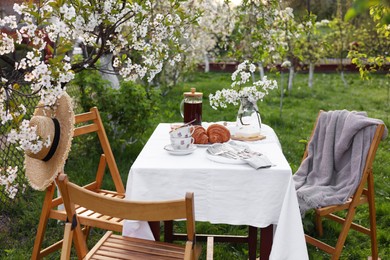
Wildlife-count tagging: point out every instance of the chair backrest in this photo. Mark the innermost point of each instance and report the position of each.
(148, 211)
(91, 122)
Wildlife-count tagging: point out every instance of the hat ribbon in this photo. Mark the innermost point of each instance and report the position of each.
(56, 140)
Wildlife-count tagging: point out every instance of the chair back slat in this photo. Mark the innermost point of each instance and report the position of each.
(91, 123)
(84, 117)
(149, 211)
(86, 129)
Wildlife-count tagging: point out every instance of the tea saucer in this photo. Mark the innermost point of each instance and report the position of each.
(170, 150)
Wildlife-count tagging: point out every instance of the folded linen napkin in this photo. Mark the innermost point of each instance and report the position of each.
(259, 161)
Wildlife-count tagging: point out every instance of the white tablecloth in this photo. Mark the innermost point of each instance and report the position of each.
(224, 193)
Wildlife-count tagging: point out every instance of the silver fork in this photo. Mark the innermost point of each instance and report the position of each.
(219, 149)
(243, 150)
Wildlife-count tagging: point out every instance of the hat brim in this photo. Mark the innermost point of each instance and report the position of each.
(41, 174)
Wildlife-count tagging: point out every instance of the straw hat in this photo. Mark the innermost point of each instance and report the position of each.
(56, 124)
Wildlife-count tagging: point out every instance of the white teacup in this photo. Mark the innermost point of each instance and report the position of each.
(181, 143)
(182, 132)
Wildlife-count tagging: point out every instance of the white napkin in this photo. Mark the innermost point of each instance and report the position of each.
(259, 161)
(236, 151)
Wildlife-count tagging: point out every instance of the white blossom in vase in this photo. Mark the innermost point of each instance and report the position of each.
(242, 87)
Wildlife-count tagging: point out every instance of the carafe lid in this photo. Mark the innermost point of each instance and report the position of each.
(193, 93)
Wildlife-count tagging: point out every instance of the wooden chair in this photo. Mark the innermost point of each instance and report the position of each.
(364, 194)
(113, 246)
(86, 123)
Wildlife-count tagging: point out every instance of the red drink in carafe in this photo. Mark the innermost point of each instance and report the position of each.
(191, 107)
(193, 111)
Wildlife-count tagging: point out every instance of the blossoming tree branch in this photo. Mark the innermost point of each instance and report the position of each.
(37, 60)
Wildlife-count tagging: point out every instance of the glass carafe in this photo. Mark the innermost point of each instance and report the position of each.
(191, 107)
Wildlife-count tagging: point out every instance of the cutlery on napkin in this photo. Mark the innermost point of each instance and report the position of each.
(235, 151)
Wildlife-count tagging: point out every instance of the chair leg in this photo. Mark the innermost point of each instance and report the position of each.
(344, 233)
(210, 248)
(36, 253)
(319, 227)
(67, 242)
(371, 208)
(86, 232)
(168, 231)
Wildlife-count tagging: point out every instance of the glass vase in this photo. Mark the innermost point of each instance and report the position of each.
(248, 115)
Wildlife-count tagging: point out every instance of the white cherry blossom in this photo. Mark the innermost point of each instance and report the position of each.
(240, 88)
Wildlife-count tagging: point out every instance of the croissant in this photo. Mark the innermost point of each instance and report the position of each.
(218, 133)
(200, 135)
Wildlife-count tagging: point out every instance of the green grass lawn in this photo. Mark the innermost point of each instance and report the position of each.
(293, 123)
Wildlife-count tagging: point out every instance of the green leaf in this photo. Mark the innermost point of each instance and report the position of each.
(351, 13)
(303, 141)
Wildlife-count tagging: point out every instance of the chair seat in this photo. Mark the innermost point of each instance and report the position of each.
(113, 246)
(90, 218)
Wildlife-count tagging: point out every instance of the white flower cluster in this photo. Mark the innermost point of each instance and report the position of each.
(323, 22)
(4, 115)
(6, 44)
(213, 28)
(9, 21)
(240, 89)
(285, 14)
(7, 179)
(27, 138)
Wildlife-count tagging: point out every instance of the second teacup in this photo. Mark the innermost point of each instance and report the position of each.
(182, 132)
(179, 143)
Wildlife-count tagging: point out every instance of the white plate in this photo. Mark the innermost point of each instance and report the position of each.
(207, 145)
(221, 159)
(170, 150)
(203, 145)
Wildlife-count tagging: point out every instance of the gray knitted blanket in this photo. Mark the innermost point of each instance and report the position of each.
(337, 153)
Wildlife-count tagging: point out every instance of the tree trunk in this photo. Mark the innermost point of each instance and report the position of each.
(343, 79)
(311, 74)
(281, 95)
(206, 63)
(108, 71)
(290, 79)
(261, 70)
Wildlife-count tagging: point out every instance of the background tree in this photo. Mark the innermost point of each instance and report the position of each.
(371, 50)
(251, 39)
(36, 51)
(312, 42)
(286, 35)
